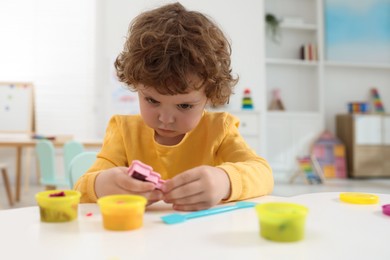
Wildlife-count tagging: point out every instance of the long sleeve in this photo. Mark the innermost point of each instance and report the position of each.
(216, 142)
(250, 175)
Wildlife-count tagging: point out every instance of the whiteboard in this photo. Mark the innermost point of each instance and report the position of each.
(16, 107)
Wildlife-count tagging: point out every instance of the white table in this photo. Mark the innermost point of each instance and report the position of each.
(334, 230)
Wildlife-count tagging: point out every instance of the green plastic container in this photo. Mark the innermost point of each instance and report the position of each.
(281, 221)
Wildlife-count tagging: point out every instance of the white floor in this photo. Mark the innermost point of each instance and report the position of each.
(281, 189)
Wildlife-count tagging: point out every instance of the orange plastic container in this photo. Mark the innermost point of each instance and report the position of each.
(122, 212)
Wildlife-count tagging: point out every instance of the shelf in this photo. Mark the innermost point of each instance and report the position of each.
(292, 114)
(298, 26)
(294, 62)
(357, 65)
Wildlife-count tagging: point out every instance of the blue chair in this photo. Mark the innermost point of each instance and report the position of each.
(71, 149)
(46, 158)
(79, 165)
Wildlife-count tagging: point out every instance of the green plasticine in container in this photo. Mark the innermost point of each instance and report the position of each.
(281, 221)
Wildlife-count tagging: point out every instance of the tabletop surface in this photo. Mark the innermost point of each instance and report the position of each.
(27, 141)
(334, 230)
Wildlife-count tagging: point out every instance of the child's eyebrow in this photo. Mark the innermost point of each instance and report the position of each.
(190, 102)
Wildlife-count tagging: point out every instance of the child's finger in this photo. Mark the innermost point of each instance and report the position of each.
(192, 189)
(180, 180)
(133, 185)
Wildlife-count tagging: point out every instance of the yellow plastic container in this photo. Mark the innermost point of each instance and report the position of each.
(359, 198)
(122, 212)
(282, 222)
(58, 205)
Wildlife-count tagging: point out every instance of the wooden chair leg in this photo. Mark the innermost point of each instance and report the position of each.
(7, 186)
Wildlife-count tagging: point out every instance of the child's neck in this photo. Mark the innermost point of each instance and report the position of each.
(169, 141)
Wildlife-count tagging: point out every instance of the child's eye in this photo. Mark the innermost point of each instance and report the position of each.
(184, 106)
(151, 100)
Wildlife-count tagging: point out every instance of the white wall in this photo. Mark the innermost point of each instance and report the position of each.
(52, 44)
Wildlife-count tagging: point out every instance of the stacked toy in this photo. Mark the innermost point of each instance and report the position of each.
(247, 102)
(376, 101)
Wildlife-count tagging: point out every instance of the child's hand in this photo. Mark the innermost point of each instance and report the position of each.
(196, 189)
(116, 181)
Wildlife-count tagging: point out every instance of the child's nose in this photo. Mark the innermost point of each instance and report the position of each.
(166, 117)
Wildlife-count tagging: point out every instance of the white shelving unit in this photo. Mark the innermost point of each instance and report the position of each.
(300, 82)
(313, 92)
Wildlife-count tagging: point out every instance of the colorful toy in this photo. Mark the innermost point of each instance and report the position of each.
(143, 172)
(247, 102)
(358, 107)
(376, 101)
(329, 151)
(308, 166)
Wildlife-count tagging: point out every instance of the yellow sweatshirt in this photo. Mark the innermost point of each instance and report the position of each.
(215, 141)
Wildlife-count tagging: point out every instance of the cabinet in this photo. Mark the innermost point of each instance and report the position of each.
(249, 127)
(290, 136)
(367, 144)
(300, 81)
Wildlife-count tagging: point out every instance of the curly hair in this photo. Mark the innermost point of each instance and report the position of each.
(167, 44)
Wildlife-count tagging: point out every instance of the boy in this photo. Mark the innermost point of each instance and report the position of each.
(178, 61)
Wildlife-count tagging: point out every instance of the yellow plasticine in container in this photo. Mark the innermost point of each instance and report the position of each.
(58, 205)
(122, 212)
(359, 198)
(281, 221)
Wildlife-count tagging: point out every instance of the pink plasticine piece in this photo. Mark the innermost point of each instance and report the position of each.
(143, 172)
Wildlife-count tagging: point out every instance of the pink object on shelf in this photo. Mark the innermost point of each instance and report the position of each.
(143, 172)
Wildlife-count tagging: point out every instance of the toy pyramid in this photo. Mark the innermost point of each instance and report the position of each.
(276, 103)
(309, 169)
(376, 101)
(247, 102)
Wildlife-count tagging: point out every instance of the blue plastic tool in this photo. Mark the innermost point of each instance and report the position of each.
(178, 218)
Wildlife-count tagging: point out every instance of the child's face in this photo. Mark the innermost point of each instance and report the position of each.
(171, 117)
